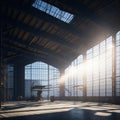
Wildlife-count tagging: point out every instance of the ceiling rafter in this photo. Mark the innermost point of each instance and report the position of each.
(68, 41)
(30, 59)
(26, 53)
(17, 48)
(47, 18)
(22, 51)
(38, 32)
(37, 47)
(78, 9)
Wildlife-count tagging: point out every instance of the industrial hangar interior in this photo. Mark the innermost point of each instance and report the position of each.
(59, 52)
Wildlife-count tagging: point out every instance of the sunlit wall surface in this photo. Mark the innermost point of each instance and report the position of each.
(99, 69)
(118, 64)
(74, 78)
(39, 73)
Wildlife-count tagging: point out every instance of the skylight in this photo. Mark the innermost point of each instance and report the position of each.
(53, 11)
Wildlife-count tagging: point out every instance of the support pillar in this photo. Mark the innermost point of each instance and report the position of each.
(114, 68)
(19, 81)
(62, 84)
(2, 82)
(48, 83)
(84, 78)
(2, 69)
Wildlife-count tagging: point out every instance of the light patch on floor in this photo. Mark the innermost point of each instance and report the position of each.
(18, 114)
(115, 111)
(76, 109)
(103, 114)
(92, 108)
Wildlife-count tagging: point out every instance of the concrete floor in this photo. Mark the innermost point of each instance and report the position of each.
(59, 110)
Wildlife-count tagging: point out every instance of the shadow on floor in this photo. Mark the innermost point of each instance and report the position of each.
(37, 110)
(17, 106)
(72, 114)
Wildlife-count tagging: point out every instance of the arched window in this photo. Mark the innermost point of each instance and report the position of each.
(40, 73)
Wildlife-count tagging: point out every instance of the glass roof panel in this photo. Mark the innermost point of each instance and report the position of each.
(53, 11)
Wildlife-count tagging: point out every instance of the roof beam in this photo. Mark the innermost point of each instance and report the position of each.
(14, 47)
(23, 55)
(38, 47)
(79, 9)
(22, 52)
(30, 59)
(38, 32)
(27, 8)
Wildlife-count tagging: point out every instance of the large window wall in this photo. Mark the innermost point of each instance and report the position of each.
(99, 69)
(74, 78)
(54, 77)
(96, 71)
(118, 64)
(39, 73)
